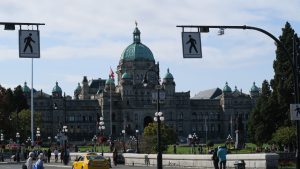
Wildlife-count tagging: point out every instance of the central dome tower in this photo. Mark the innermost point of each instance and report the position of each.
(137, 51)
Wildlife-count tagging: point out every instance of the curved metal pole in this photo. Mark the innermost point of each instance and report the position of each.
(205, 28)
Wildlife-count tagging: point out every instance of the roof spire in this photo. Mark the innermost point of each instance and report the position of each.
(136, 34)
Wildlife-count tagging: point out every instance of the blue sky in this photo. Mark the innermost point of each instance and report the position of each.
(85, 38)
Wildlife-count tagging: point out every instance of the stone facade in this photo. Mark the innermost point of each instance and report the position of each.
(126, 104)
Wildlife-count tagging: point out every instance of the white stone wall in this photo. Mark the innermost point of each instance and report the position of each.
(252, 161)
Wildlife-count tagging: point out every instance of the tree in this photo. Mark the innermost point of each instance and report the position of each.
(11, 101)
(272, 109)
(168, 136)
(24, 122)
(258, 125)
(283, 81)
(285, 136)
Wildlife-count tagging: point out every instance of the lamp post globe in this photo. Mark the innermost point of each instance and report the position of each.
(66, 153)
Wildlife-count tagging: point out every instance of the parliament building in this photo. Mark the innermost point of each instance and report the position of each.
(126, 104)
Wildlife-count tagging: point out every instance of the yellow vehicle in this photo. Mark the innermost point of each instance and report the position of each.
(90, 161)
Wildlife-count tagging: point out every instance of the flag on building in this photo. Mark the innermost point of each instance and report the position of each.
(111, 74)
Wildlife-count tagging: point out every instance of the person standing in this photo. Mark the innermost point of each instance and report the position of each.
(222, 152)
(29, 160)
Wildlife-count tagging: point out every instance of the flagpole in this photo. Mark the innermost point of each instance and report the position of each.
(110, 110)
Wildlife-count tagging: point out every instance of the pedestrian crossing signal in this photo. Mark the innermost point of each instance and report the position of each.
(191, 45)
(29, 44)
(295, 111)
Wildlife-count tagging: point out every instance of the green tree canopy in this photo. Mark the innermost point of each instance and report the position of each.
(168, 136)
(285, 136)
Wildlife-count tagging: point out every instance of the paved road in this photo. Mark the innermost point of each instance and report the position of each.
(60, 166)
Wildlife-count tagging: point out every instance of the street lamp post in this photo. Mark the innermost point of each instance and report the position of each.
(229, 141)
(66, 158)
(1, 142)
(18, 148)
(28, 142)
(38, 135)
(124, 133)
(101, 128)
(158, 115)
(193, 138)
(49, 139)
(94, 139)
(137, 141)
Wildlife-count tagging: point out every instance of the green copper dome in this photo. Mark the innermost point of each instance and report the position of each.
(56, 89)
(168, 75)
(227, 88)
(125, 76)
(25, 88)
(254, 88)
(110, 81)
(137, 50)
(78, 89)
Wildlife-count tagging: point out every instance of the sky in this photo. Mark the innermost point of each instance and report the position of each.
(86, 38)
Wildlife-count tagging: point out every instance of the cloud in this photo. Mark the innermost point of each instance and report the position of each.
(86, 37)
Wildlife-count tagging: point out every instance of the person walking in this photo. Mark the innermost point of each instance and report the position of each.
(56, 154)
(222, 152)
(215, 158)
(49, 155)
(115, 156)
(39, 164)
(29, 160)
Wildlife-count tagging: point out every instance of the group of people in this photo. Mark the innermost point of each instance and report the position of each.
(39, 164)
(219, 157)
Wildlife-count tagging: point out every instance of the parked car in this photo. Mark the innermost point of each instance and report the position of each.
(90, 161)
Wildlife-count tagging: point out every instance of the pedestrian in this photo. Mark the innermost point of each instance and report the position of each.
(222, 152)
(49, 155)
(174, 149)
(215, 158)
(29, 160)
(39, 164)
(62, 155)
(115, 156)
(147, 161)
(56, 154)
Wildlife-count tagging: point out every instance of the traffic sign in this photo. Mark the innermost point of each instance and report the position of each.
(29, 44)
(295, 111)
(191, 45)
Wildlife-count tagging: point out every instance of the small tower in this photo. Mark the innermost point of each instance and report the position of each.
(26, 90)
(85, 89)
(227, 90)
(77, 92)
(168, 83)
(109, 85)
(126, 85)
(254, 91)
(56, 91)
